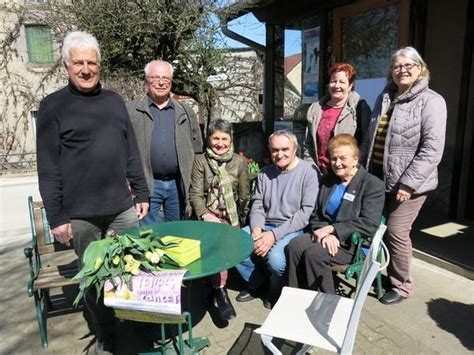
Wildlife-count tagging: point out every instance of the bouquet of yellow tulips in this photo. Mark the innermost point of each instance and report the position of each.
(121, 256)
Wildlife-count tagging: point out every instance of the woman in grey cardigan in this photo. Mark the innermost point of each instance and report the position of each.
(404, 146)
(341, 111)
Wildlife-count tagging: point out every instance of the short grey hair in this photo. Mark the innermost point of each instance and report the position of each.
(221, 126)
(291, 137)
(79, 40)
(413, 55)
(156, 61)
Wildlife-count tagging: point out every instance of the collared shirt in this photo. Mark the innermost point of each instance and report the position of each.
(163, 155)
(292, 164)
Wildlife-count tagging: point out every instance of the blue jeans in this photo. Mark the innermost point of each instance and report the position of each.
(165, 203)
(252, 269)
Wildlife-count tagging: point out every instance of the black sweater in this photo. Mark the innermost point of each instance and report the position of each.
(86, 151)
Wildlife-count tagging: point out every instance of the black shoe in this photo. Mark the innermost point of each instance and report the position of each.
(225, 308)
(267, 304)
(392, 297)
(101, 347)
(244, 296)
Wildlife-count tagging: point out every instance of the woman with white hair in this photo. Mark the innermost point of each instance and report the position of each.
(403, 147)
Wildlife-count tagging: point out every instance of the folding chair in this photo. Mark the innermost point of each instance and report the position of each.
(318, 319)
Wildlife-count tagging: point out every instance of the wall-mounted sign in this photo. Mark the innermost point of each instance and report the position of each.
(311, 46)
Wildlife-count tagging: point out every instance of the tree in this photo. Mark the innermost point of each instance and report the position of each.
(131, 33)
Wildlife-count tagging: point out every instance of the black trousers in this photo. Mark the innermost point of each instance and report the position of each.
(309, 264)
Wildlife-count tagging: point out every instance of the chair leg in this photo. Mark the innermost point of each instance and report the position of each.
(41, 320)
(47, 300)
(267, 341)
(379, 285)
(304, 349)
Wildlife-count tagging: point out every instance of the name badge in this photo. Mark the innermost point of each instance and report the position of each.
(349, 197)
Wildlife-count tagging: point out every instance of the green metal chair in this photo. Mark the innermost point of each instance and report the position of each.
(354, 270)
(43, 277)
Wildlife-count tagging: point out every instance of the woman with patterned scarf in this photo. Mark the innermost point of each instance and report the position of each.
(219, 193)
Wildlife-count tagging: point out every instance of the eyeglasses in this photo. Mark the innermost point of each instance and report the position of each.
(158, 79)
(406, 66)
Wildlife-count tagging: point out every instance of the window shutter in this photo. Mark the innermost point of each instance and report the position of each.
(39, 44)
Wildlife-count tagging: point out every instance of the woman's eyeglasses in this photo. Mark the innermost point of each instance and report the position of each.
(406, 66)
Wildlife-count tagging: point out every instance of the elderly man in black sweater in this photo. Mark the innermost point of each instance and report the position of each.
(88, 164)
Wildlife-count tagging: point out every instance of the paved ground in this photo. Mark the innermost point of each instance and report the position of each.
(437, 320)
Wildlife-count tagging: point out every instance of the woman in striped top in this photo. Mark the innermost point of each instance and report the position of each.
(404, 146)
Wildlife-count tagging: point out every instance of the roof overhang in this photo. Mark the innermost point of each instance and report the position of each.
(282, 12)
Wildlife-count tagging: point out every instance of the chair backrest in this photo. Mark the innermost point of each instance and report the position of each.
(369, 271)
(368, 278)
(43, 240)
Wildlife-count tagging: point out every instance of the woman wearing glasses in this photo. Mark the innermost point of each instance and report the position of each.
(404, 146)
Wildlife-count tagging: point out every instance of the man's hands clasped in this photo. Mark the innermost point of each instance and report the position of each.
(262, 241)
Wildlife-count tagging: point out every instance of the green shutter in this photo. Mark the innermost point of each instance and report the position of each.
(39, 44)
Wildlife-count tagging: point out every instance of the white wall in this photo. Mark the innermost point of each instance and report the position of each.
(14, 192)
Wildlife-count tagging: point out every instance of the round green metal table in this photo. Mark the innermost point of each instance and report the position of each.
(222, 247)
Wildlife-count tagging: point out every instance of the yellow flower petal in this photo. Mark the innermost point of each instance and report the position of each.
(98, 263)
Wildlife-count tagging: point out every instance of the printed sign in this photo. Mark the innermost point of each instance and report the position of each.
(311, 49)
(159, 292)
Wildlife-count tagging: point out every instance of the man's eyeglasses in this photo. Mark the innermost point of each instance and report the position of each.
(158, 79)
(406, 66)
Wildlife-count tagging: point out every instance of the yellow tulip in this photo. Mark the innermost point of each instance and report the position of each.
(159, 252)
(135, 271)
(128, 258)
(116, 260)
(128, 267)
(98, 263)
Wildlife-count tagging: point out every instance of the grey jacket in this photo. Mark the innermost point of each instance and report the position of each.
(187, 136)
(415, 138)
(354, 119)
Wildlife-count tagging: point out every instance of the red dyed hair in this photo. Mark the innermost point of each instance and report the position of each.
(345, 67)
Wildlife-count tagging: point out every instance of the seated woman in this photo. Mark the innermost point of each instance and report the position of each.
(349, 200)
(219, 193)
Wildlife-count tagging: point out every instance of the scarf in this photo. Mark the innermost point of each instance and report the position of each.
(220, 197)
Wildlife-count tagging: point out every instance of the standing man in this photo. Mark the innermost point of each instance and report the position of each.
(168, 136)
(88, 164)
(282, 204)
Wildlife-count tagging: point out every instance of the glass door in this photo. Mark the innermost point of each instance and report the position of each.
(366, 33)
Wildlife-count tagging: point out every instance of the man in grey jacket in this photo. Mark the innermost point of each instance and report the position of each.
(168, 137)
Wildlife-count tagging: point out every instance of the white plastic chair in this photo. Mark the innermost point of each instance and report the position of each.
(319, 319)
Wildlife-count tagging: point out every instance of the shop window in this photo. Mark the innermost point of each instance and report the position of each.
(366, 33)
(39, 44)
